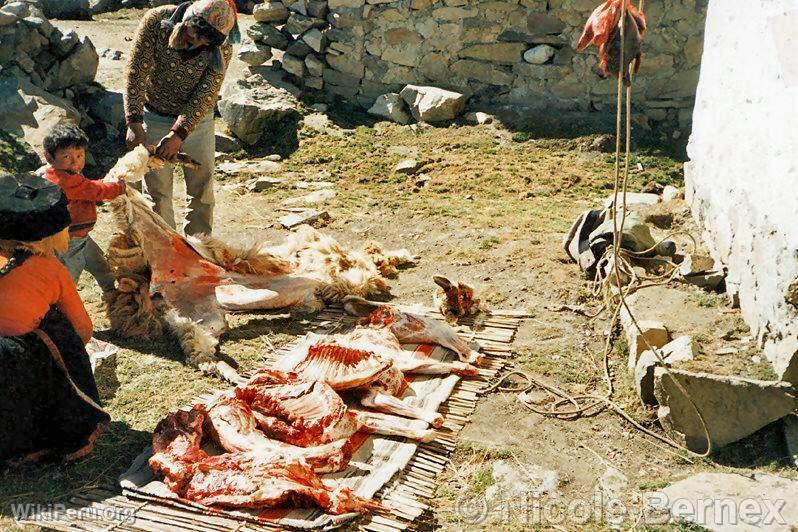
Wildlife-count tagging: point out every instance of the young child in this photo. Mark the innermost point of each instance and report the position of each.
(49, 404)
(65, 150)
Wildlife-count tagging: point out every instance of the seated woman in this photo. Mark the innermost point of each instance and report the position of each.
(49, 404)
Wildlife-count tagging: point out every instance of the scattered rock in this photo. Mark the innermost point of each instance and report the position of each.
(226, 143)
(732, 407)
(319, 122)
(723, 351)
(513, 480)
(634, 198)
(392, 107)
(696, 263)
(670, 193)
(271, 12)
(18, 9)
(274, 157)
(644, 377)
(431, 104)
(305, 185)
(263, 166)
(652, 331)
(728, 502)
(539, 54)
(791, 437)
(709, 281)
(478, 118)
(16, 110)
(408, 166)
(66, 9)
(263, 183)
(319, 107)
(308, 216)
(252, 105)
(113, 55)
(108, 107)
(255, 53)
(679, 350)
(320, 196)
(652, 187)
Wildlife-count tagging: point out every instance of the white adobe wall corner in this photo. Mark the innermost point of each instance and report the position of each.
(742, 177)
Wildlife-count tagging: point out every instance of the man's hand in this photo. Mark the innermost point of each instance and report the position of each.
(169, 147)
(135, 135)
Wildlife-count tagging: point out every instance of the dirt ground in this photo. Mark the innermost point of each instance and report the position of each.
(495, 204)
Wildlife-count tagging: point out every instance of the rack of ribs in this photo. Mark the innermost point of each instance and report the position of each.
(231, 424)
(376, 380)
(410, 328)
(310, 413)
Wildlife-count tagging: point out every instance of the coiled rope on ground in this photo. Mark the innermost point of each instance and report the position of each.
(569, 407)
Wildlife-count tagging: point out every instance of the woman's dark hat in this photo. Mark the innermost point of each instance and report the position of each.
(31, 208)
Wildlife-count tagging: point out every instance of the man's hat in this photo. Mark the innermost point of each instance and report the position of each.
(31, 208)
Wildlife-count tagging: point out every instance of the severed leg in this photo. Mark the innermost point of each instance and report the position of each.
(388, 425)
(433, 367)
(376, 398)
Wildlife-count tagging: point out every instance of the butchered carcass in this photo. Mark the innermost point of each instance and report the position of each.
(176, 447)
(190, 283)
(231, 424)
(358, 367)
(411, 328)
(310, 413)
(258, 480)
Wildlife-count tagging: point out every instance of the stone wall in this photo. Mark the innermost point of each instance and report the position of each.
(743, 169)
(47, 77)
(500, 51)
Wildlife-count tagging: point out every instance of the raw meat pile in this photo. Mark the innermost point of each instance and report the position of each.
(283, 427)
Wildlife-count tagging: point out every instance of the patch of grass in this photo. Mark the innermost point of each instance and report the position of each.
(16, 155)
(708, 299)
(654, 484)
(483, 478)
(621, 347)
(489, 242)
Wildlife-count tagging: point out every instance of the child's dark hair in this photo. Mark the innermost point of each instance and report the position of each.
(66, 135)
(203, 29)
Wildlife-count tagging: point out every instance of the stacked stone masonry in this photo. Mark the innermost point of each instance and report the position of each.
(501, 51)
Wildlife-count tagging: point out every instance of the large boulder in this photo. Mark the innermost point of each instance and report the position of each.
(251, 104)
(80, 66)
(727, 502)
(431, 104)
(16, 109)
(108, 107)
(732, 407)
(67, 9)
(254, 54)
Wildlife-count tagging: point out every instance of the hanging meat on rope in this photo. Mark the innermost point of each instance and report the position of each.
(603, 29)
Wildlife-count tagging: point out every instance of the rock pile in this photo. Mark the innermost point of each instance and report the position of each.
(47, 76)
